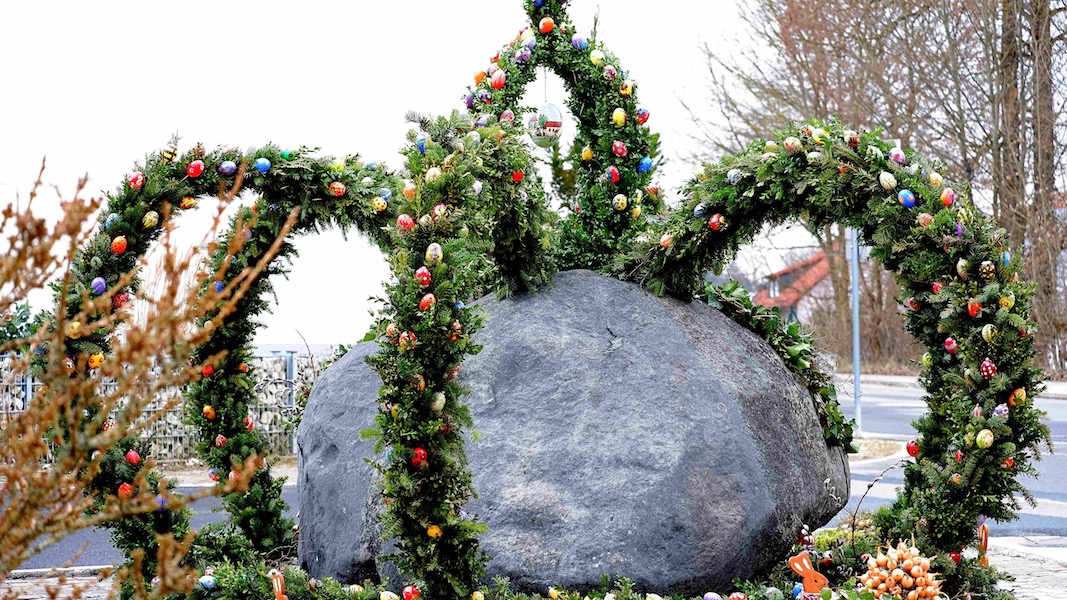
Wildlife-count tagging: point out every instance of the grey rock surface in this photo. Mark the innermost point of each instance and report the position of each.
(621, 434)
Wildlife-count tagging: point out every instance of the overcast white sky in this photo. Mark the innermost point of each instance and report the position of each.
(95, 86)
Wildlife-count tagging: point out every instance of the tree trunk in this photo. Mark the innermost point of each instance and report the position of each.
(1045, 235)
(1010, 186)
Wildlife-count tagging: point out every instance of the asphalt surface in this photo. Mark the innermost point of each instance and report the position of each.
(887, 412)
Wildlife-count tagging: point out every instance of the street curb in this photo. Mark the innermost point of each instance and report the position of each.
(86, 571)
(1023, 552)
(1058, 391)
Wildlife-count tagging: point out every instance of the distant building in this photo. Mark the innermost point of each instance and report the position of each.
(785, 288)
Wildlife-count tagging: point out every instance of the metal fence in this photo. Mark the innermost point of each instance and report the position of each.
(276, 376)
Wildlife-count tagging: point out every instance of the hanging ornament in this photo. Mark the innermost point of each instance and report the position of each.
(1017, 397)
(427, 302)
(478, 77)
(897, 155)
(914, 304)
(619, 117)
(407, 340)
(422, 276)
(207, 371)
(455, 331)
(717, 222)
(378, 204)
(927, 360)
(213, 474)
(961, 268)
(434, 254)
(906, 198)
(977, 411)
(913, 448)
(619, 202)
(974, 307)
(546, 126)
(851, 138)
(1007, 300)
(111, 220)
(612, 174)
(433, 174)
(619, 149)
(956, 479)
(698, 210)
(951, 346)
(936, 287)
(227, 168)
(412, 592)
(969, 377)
(793, 144)
(645, 165)
(987, 270)
(924, 219)
(96, 360)
(948, 196)
(118, 245)
(642, 116)
(523, 54)
(434, 531)
(936, 181)
(988, 369)
(812, 156)
(337, 189)
(626, 88)
(818, 136)
(409, 189)
(770, 146)
(187, 202)
(126, 491)
(249, 423)
(119, 299)
(98, 286)
(597, 58)
(517, 176)
(733, 176)
(220, 440)
(989, 332)
(421, 139)
(150, 220)
(209, 412)
(419, 458)
(587, 153)
(289, 154)
(959, 456)
(666, 240)
(137, 180)
(498, 79)
(609, 73)
(1000, 410)
(546, 26)
(133, 458)
(195, 169)
(579, 41)
(169, 153)
(262, 165)
(984, 439)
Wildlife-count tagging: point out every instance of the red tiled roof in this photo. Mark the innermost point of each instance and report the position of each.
(820, 268)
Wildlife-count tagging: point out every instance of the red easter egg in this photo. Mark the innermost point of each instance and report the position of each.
(126, 491)
(422, 276)
(405, 223)
(913, 448)
(133, 458)
(195, 168)
(118, 245)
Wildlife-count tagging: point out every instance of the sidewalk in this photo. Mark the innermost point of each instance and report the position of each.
(1055, 390)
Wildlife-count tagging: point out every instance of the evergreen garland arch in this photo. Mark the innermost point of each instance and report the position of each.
(614, 151)
(965, 304)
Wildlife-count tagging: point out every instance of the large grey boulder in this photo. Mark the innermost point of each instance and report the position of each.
(621, 434)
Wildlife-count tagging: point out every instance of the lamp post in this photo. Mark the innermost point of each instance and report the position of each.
(854, 258)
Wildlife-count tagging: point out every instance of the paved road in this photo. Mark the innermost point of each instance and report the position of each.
(887, 411)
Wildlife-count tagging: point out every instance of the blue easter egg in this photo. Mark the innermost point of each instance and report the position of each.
(162, 502)
(98, 285)
(484, 96)
(523, 55)
(712, 596)
(111, 220)
(531, 43)
(579, 42)
(219, 286)
(385, 194)
(262, 165)
(371, 165)
(207, 582)
(733, 175)
(538, 2)
(907, 198)
(698, 210)
(482, 121)
(420, 140)
(228, 167)
(470, 101)
(645, 165)
(1005, 258)
(797, 588)
(460, 305)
